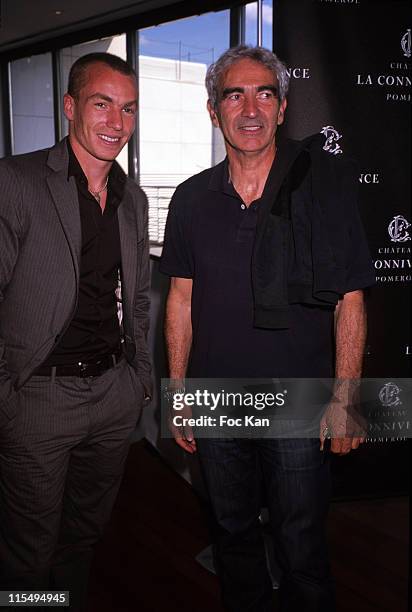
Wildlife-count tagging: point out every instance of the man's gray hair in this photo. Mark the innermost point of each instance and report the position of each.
(261, 55)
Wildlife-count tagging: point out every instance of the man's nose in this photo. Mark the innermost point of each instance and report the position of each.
(250, 106)
(115, 119)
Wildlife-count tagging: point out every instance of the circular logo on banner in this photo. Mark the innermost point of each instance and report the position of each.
(406, 43)
(398, 229)
(393, 261)
(332, 136)
(389, 395)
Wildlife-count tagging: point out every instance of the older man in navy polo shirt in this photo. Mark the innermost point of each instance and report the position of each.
(267, 256)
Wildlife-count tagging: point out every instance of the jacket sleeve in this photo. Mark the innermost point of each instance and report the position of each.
(141, 312)
(11, 233)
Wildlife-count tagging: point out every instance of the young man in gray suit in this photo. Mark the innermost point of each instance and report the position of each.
(73, 375)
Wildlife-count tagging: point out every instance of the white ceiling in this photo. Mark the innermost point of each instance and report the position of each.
(28, 21)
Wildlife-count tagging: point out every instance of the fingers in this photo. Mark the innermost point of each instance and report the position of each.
(183, 434)
(323, 432)
(189, 447)
(185, 439)
(343, 446)
(187, 433)
(321, 438)
(189, 437)
(356, 442)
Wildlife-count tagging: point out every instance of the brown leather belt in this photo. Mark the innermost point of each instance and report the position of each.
(82, 369)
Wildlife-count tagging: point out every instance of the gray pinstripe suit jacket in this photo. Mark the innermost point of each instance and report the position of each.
(40, 247)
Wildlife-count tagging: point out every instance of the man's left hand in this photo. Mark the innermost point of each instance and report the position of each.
(344, 426)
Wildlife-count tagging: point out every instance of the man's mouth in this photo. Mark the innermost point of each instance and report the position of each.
(250, 128)
(109, 139)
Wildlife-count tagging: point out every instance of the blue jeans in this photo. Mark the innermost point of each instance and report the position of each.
(292, 478)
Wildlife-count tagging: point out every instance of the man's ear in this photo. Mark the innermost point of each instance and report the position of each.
(281, 111)
(213, 115)
(68, 106)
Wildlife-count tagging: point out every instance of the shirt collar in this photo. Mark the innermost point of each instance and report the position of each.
(117, 178)
(220, 179)
(286, 151)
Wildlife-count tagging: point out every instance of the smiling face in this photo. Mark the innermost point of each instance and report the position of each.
(102, 116)
(248, 111)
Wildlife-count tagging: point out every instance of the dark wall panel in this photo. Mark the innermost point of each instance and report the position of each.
(351, 72)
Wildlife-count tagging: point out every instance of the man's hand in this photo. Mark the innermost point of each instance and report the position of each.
(183, 434)
(342, 421)
(344, 431)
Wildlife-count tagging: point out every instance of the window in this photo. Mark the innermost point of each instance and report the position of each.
(32, 113)
(251, 35)
(177, 138)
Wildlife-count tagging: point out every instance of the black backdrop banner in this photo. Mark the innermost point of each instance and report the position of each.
(350, 64)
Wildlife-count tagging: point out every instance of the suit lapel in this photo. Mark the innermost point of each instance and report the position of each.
(65, 200)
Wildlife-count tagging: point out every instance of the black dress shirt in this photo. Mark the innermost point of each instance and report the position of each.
(94, 330)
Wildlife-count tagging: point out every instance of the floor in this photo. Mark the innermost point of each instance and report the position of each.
(146, 562)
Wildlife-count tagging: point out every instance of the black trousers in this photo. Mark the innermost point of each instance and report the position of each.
(61, 462)
(296, 481)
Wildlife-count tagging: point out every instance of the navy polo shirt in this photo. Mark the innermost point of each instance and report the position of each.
(209, 238)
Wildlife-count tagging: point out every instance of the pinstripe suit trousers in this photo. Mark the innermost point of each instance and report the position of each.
(61, 462)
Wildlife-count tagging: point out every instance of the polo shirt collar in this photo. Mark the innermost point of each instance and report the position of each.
(220, 179)
(287, 150)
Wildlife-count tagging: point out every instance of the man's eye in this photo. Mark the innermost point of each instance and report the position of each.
(235, 97)
(100, 105)
(265, 95)
(129, 110)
